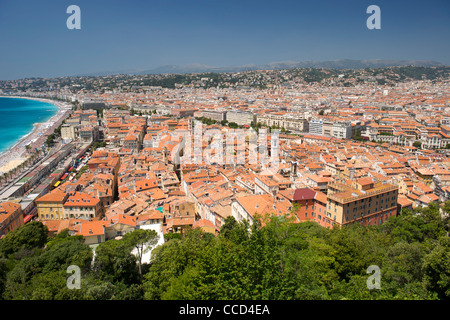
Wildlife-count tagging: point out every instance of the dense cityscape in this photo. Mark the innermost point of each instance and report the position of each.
(362, 169)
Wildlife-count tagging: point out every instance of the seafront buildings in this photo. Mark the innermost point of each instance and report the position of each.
(347, 151)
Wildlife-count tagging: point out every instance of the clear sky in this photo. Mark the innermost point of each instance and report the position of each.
(122, 35)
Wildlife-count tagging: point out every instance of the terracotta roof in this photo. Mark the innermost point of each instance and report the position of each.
(91, 228)
(203, 223)
(56, 195)
(79, 199)
(304, 194)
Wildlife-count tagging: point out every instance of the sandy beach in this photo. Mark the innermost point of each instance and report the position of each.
(17, 154)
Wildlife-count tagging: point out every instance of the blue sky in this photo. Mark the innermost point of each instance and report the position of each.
(121, 35)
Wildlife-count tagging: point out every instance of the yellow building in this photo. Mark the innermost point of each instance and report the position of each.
(50, 206)
(364, 200)
(81, 205)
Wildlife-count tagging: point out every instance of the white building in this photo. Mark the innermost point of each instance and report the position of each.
(316, 127)
(342, 130)
(241, 117)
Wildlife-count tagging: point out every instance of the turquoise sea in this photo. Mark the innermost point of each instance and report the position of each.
(17, 117)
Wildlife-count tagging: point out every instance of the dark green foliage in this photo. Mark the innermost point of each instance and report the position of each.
(31, 236)
(97, 145)
(114, 262)
(417, 144)
(279, 259)
(436, 267)
(272, 258)
(169, 236)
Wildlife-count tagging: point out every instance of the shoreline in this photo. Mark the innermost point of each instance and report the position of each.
(17, 154)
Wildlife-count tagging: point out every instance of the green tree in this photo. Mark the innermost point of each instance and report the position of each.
(115, 263)
(417, 144)
(356, 248)
(3, 274)
(30, 236)
(65, 253)
(436, 267)
(169, 261)
(142, 240)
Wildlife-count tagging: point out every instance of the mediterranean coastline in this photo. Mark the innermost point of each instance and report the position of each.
(17, 153)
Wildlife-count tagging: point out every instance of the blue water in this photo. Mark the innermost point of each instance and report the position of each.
(17, 117)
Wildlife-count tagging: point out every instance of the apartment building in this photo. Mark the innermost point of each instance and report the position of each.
(271, 184)
(283, 121)
(214, 115)
(327, 127)
(89, 134)
(11, 217)
(316, 127)
(241, 117)
(364, 200)
(81, 205)
(342, 130)
(311, 205)
(50, 206)
(70, 132)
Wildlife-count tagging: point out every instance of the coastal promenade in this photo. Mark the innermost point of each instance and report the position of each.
(18, 153)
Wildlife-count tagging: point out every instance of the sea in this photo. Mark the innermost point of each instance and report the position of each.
(17, 117)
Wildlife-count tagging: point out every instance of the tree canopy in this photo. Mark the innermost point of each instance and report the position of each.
(274, 258)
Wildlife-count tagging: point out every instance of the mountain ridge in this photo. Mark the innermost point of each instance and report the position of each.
(328, 64)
